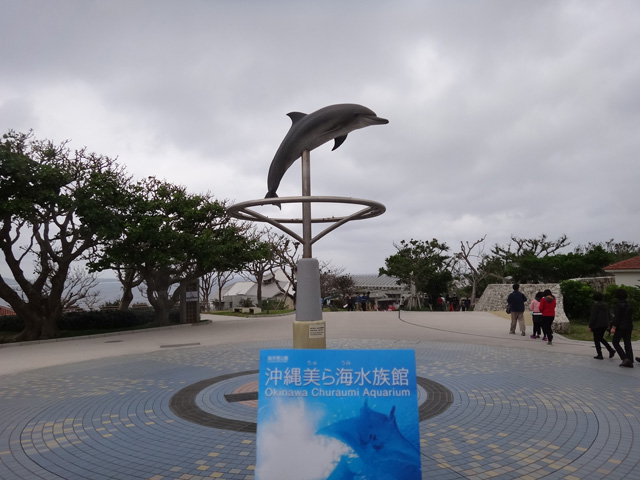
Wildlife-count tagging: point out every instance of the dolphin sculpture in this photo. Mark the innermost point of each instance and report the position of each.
(310, 131)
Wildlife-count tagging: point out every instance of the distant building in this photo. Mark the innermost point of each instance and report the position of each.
(6, 311)
(626, 272)
(383, 290)
(272, 289)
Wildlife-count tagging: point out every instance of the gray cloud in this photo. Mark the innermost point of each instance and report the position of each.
(505, 117)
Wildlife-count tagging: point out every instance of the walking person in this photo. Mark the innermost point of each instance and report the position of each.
(621, 328)
(536, 317)
(516, 300)
(548, 312)
(600, 319)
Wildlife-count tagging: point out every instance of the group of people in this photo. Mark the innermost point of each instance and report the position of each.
(452, 304)
(358, 302)
(543, 312)
(620, 326)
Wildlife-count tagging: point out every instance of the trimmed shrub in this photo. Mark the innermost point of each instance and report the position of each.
(578, 300)
(104, 319)
(10, 323)
(633, 298)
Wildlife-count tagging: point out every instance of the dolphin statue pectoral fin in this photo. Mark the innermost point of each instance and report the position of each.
(339, 141)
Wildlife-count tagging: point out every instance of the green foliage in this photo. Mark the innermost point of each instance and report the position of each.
(105, 319)
(556, 268)
(578, 299)
(11, 323)
(270, 305)
(172, 237)
(425, 264)
(617, 250)
(60, 205)
(246, 302)
(94, 320)
(633, 298)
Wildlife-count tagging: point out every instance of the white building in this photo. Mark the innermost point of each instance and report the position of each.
(272, 289)
(626, 272)
(383, 290)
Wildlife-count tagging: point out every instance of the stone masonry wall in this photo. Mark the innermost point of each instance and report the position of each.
(599, 284)
(494, 299)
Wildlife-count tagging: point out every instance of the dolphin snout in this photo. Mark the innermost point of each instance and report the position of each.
(375, 120)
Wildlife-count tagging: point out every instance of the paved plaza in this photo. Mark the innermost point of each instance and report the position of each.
(180, 403)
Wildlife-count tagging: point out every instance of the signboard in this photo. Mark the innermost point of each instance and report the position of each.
(316, 331)
(339, 414)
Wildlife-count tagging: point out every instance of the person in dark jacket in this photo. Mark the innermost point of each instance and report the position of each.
(516, 300)
(621, 328)
(599, 323)
(548, 311)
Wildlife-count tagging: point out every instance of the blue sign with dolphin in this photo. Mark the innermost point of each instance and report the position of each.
(338, 415)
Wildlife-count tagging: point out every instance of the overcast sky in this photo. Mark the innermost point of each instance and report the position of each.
(505, 117)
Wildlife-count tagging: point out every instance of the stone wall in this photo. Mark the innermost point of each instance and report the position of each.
(599, 284)
(494, 299)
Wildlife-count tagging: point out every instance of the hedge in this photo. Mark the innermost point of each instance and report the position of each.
(94, 320)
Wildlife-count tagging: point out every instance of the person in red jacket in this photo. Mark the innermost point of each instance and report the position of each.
(548, 311)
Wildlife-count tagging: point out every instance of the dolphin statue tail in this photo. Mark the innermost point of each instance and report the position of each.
(273, 195)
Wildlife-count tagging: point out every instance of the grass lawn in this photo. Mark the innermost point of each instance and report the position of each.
(580, 331)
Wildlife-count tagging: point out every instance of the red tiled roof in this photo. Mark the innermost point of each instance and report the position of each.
(6, 311)
(629, 264)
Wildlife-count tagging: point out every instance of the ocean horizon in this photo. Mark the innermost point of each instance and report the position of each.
(108, 290)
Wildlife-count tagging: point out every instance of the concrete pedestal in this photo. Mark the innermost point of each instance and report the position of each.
(309, 330)
(310, 334)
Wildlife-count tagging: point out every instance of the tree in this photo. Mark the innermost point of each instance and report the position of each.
(130, 278)
(506, 263)
(79, 289)
(617, 250)
(472, 265)
(172, 238)
(328, 276)
(286, 256)
(556, 268)
(577, 300)
(222, 278)
(422, 263)
(344, 286)
(538, 247)
(56, 207)
(256, 269)
(214, 279)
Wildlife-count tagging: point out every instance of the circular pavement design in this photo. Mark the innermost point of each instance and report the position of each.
(195, 402)
(514, 413)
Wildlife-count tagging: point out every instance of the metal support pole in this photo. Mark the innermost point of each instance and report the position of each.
(308, 327)
(306, 206)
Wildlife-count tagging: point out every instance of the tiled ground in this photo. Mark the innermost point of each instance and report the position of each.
(515, 414)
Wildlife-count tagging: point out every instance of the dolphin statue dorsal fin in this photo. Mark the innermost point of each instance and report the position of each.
(339, 141)
(309, 131)
(296, 116)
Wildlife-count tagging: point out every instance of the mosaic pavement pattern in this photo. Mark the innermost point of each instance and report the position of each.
(511, 413)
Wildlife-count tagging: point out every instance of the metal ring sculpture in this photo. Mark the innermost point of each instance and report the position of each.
(242, 211)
